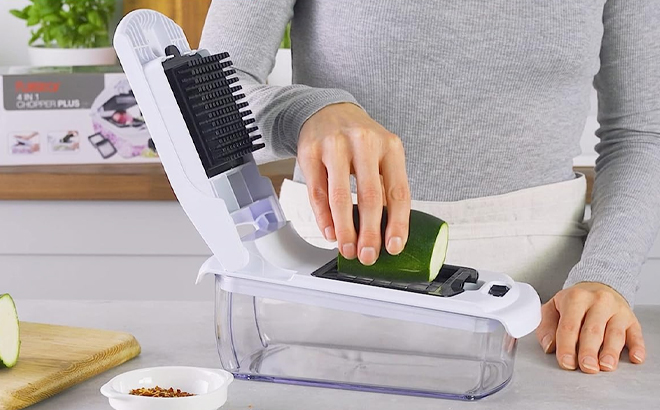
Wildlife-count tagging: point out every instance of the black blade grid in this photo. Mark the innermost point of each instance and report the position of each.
(205, 89)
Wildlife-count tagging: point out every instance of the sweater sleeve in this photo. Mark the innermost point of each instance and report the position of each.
(251, 32)
(626, 199)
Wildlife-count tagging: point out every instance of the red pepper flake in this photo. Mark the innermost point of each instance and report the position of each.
(159, 392)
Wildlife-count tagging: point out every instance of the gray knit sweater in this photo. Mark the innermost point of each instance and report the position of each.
(488, 97)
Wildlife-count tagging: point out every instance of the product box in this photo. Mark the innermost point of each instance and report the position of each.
(70, 115)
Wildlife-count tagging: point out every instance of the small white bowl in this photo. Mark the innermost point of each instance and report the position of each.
(209, 387)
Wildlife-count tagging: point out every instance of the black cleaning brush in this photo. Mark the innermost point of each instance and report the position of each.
(210, 104)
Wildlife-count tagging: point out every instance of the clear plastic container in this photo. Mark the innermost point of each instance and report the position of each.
(276, 341)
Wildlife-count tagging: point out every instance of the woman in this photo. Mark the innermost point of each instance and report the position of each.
(472, 111)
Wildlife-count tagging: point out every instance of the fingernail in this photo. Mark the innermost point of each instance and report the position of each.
(546, 342)
(590, 363)
(368, 255)
(348, 251)
(395, 245)
(639, 356)
(568, 361)
(329, 233)
(607, 362)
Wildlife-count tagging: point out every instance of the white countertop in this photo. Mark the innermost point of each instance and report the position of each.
(181, 333)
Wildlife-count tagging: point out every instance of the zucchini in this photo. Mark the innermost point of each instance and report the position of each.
(421, 259)
(10, 342)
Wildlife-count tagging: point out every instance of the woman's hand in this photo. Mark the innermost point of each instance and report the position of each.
(587, 325)
(340, 140)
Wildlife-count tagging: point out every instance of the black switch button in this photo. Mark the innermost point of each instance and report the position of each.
(498, 290)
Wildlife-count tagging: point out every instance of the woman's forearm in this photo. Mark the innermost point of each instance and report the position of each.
(280, 111)
(626, 201)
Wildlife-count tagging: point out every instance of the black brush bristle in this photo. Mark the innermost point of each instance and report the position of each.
(210, 103)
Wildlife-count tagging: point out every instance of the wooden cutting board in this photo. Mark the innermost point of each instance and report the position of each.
(54, 358)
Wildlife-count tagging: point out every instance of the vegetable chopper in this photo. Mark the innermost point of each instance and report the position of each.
(284, 313)
(118, 124)
(24, 143)
(63, 141)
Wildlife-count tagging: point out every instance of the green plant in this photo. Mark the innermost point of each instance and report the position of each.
(286, 39)
(69, 23)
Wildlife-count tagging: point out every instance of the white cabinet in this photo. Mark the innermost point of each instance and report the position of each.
(100, 250)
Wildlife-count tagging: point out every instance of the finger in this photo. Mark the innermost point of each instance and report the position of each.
(635, 343)
(397, 196)
(592, 334)
(615, 339)
(337, 163)
(370, 203)
(568, 330)
(547, 329)
(316, 179)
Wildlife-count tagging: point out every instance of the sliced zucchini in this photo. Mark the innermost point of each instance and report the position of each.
(10, 342)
